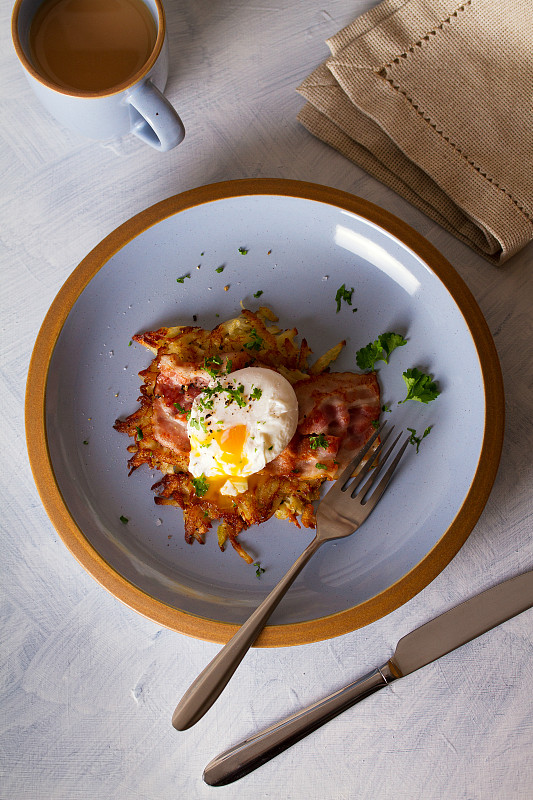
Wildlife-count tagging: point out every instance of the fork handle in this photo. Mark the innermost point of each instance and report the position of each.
(203, 692)
(255, 751)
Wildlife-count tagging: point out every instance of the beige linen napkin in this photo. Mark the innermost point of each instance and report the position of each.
(435, 99)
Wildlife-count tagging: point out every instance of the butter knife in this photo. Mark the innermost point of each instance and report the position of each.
(425, 644)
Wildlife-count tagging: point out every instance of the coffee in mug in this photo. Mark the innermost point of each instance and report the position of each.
(100, 66)
(91, 45)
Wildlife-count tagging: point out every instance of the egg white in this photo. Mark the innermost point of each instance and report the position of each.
(238, 424)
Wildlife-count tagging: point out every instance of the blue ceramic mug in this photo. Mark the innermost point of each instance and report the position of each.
(135, 104)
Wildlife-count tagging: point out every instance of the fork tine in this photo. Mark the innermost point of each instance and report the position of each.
(376, 470)
(369, 464)
(346, 474)
(382, 485)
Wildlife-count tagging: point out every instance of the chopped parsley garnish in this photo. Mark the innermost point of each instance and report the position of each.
(375, 423)
(219, 269)
(140, 434)
(243, 251)
(255, 342)
(379, 350)
(259, 571)
(130, 343)
(124, 520)
(182, 279)
(201, 485)
(205, 405)
(343, 294)
(414, 439)
(199, 424)
(85, 441)
(386, 408)
(256, 393)
(210, 362)
(235, 395)
(420, 386)
(318, 465)
(228, 366)
(258, 293)
(179, 408)
(317, 440)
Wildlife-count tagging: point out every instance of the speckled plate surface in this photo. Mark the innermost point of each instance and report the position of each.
(303, 242)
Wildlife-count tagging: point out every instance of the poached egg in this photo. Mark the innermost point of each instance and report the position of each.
(238, 424)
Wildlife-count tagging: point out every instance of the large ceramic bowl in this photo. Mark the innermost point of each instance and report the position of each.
(303, 241)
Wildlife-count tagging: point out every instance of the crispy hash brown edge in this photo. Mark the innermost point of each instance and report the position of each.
(286, 497)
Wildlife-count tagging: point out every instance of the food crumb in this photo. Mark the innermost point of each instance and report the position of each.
(159, 521)
(325, 277)
(226, 287)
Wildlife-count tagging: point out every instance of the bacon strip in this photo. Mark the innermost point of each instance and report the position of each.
(341, 404)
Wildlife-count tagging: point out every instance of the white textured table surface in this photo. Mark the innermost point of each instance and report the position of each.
(88, 686)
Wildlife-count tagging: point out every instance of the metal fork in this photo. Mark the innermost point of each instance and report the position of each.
(342, 511)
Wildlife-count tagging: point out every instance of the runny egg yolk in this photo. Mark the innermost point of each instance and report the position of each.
(231, 442)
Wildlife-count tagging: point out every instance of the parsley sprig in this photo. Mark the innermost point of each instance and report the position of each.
(420, 386)
(378, 350)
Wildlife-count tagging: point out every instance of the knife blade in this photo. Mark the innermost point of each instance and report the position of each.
(425, 644)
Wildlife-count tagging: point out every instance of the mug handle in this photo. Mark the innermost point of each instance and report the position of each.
(154, 119)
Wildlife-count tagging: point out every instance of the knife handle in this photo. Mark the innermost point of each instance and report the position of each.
(251, 753)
